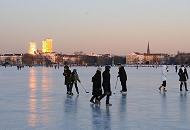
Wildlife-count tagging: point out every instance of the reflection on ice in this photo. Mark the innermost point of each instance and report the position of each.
(71, 104)
(123, 106)
(183, 107)
(32, 117)
(45, 98)
(101, 118)
(38, 107)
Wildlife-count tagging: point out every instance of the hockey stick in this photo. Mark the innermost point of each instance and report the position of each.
(116, 85)
(83, 88)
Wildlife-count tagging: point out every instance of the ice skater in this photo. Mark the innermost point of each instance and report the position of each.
(183, 76)
(75, 79)
(123, 78)
(67, 74)
(164, 77)
(106, 85)
(96, 88)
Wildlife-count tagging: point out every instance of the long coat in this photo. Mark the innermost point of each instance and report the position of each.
(122, 74)
(106, 82)
(183, 76)
(96, 88)
(67, 74)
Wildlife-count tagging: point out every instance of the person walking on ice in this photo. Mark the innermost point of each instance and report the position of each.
(74, 79)
(123, 78)
(67, 74)
(106, 85)
(96, 88)
(164, 77)
(183, 76)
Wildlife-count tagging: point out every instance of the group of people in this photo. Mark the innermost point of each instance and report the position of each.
(101, 89)
(71, 78)
(183, 76)
(98, 84)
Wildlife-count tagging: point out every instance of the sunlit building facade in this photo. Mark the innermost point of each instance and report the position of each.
(47, 46)
(147, 58)
(32, 48)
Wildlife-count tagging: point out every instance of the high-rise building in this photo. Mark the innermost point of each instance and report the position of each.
(32, 48)
(47, 46)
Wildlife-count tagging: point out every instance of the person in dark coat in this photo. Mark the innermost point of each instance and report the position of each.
(183, 76)
(75, 79)
(67, 74)
(123, 78)
(96, 88)
(106, 85)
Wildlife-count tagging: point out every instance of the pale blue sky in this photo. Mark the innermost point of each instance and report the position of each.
(101, 26)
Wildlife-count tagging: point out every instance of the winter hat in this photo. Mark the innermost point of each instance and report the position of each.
(66, 67)
(119, 65)
(107, 67)
(74, 70)
(99, 69)
(182, 68)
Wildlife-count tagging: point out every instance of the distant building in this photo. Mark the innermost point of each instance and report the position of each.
(135, 58)
(50, 56)
(182, 58)
(32, 48)
(93, 60)
(156, 58)
(47, 46)
(147, 58)
(13, 59)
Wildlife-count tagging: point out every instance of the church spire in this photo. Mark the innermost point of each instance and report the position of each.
(148, 49)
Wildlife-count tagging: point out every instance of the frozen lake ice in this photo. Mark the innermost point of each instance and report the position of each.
(35, 99)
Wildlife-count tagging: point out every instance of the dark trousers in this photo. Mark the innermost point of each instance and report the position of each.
(94, 97)
(107, 98)
(164, 83)
(76, 87)
(124, 86)
(181, 84)
(69, 88)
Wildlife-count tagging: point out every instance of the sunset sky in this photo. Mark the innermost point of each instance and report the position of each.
(100, 26)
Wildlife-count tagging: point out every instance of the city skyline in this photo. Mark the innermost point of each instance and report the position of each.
(109, 26)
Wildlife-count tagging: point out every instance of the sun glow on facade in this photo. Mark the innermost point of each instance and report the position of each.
(32, 48)
(47, 46)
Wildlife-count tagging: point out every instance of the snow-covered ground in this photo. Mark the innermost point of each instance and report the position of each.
(35, 99)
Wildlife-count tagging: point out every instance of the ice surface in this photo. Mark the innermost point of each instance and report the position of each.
(35, 99)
